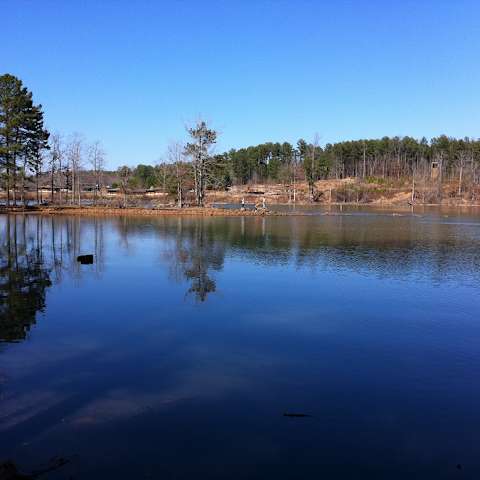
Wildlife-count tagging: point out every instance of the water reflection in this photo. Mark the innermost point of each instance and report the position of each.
(195, 335)
(195, 255)
(37, 251)
(24, 278)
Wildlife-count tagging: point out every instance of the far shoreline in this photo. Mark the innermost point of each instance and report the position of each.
(210, 211)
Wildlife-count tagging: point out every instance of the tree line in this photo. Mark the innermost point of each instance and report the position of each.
(190, 168)
(398, 159)
(385, 158)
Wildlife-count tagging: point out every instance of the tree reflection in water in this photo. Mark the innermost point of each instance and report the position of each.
(194, 256)
(36, 251)
(23, 278)
(193, 248)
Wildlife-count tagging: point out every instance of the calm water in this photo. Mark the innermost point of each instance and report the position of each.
(176, 354)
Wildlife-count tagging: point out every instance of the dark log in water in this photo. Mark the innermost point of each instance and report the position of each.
(85, 259)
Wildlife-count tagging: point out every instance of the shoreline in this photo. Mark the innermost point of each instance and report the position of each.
(108, 211)
(210, 211)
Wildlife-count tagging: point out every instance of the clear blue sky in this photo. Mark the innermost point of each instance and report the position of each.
(133, 73)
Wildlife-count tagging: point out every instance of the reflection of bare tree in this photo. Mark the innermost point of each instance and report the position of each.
(124, 227)
(195, 255)
(197, 248)
(34, 252)
(99, 244)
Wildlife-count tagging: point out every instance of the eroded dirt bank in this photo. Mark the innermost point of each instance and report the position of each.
(171, 211)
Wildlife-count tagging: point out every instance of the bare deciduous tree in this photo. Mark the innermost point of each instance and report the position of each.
(176, 157)
(74, 156)
(55, 162)
(96, 158)
(310, 166)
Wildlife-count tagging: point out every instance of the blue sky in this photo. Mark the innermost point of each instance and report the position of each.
(132, 74)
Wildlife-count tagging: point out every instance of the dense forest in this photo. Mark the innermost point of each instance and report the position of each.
(401, 159)
(30, 157)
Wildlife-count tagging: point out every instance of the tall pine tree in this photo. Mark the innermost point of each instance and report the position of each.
(22, 133)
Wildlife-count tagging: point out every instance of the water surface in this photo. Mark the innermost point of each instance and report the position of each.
(177, 353)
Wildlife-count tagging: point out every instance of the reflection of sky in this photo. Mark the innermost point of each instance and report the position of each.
(377, 359)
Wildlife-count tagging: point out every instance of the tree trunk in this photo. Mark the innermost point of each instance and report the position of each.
(73, 186)
(460, 179)
(95, 189)
(195, 180)
(14, 157)
(179, 195)
(51, 183)
(294, 184)
(36, 181)
(23, 183)
(8, 184)
(14, 181)
(413, 188)
(364, 161)
(60, 182)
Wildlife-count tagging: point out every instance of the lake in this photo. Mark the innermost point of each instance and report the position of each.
(178, 352)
